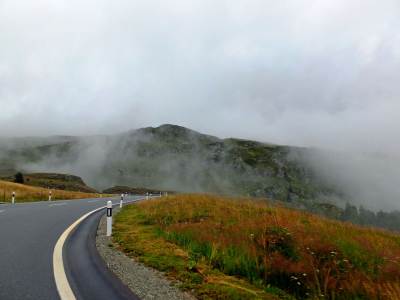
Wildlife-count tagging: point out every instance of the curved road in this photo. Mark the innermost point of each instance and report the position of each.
(28, 234)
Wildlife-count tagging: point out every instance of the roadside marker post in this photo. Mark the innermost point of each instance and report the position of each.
(13, 198)
(109, 218)
(50, 195)
(147, 196)
(122, 200)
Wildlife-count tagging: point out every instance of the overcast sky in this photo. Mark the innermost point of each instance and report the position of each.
(321, 73)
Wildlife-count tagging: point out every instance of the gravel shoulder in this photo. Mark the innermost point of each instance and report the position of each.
(143, 281)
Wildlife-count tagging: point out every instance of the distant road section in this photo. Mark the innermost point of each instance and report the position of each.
(28, 234)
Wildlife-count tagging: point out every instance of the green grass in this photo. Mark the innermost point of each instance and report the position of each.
(136, 236)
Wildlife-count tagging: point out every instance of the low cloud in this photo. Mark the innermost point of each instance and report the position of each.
(310, 73)
(364, 179)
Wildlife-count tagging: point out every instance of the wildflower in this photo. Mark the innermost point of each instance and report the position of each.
(304, 274)
(298, 283)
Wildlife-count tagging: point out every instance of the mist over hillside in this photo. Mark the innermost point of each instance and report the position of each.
(171, 157)
(365, 179)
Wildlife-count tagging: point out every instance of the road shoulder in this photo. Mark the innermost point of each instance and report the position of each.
(143, 281)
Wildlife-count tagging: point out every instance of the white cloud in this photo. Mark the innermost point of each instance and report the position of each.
(295, 72)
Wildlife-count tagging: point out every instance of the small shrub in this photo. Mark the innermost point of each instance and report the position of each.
(19, 178)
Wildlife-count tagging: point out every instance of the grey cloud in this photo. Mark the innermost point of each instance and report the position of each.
(309, 73)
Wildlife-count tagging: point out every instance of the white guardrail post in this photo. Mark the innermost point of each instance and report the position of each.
(109, 218)
(13, 198)
(122, 200)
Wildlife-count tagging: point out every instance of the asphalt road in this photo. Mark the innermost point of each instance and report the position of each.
(28, 234)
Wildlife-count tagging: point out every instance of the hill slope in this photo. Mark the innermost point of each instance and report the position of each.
(25, 193)
(55, 181)
(224, 248)
(170, 157)
(174, 158)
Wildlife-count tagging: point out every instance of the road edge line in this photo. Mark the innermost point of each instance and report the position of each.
(64, 289)
(60, 276)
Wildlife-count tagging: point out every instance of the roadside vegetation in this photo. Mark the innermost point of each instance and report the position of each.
(25, 193)
(222, 248)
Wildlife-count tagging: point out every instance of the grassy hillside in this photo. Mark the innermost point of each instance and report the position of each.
(239, 249)
(55, 181)
(25, 193)
(174, 158)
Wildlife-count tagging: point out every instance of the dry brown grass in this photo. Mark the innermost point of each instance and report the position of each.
(25, 193)
(304, 254)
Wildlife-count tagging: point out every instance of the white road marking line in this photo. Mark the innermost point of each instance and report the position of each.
(1, 211)
(64, 289)
(58, 204)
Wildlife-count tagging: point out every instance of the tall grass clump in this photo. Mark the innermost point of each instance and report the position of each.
(305, 255)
